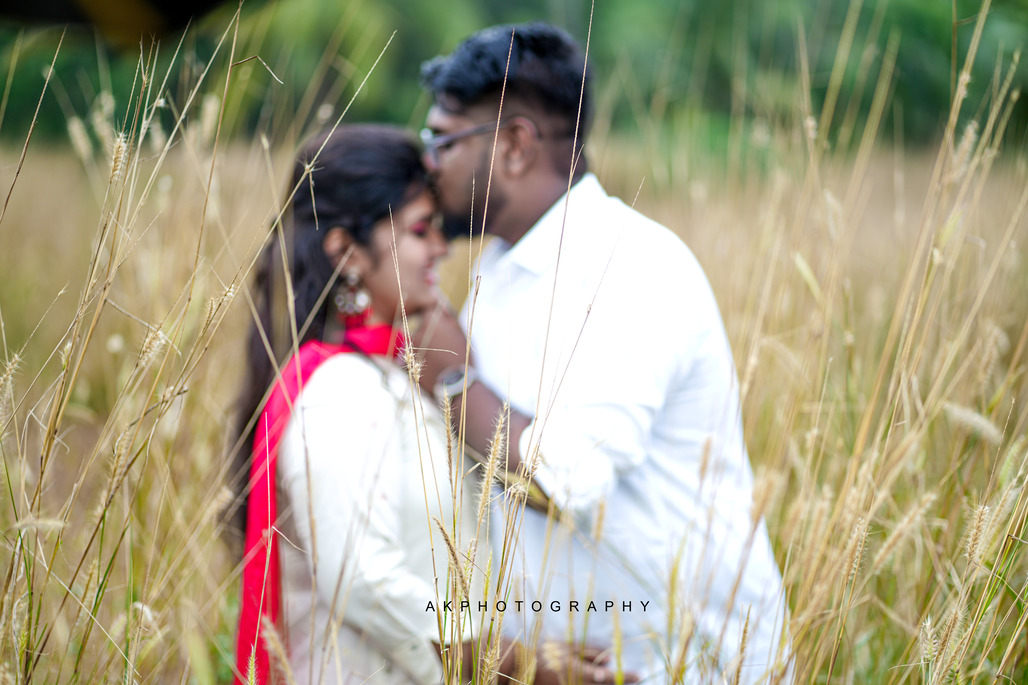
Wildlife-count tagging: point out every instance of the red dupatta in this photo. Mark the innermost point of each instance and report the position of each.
(261, 582)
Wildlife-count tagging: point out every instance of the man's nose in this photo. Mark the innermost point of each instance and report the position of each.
(430, 160)
(440, 247)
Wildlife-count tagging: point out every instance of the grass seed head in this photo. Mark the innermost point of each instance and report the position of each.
(951, 636)
(962, 155)
(251, 668)
(855, 498)
(276, 649)
(80, 139)
(973, 422)
(995, 343)
(119, 153)
(1000, 518)
(84, 617)
(765, 490)
(496, 459)
(929, 641)
(7, 391)
(818, 516)
(209, 112)
(855, 548)
(221, 502)
(65, 354)
(118, 455)
(447, 410)
(119, 628)
(158, 138)
(518, 490)
(213, 305)
(115, 344)
(810, 128)
(910, 521)
(489, 664)
(974, 541)
(145, 617)
(325, 112)
(101, 118)
(526, 663)
(412, 362)
(154, 342)
(743, 643)
(456, 568)
(962, 84)
(1015, 461)
(20, 626)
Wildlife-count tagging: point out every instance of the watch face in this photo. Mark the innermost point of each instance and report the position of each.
(452, 376)
(452, 383)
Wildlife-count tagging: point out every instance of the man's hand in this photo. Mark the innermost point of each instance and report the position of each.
(571, 664)
(440, 343)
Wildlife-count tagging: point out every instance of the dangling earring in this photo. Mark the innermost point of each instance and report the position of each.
(352, 300)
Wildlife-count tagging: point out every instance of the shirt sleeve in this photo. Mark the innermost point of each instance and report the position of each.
(342, 482)
(629, 353)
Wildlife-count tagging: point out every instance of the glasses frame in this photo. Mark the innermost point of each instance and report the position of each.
(434, 143)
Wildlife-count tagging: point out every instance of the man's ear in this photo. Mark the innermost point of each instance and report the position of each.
(522, 146)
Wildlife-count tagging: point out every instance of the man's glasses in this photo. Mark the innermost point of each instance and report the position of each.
(434, 143)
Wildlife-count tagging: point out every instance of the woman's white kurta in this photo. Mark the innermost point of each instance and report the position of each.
(366, 481)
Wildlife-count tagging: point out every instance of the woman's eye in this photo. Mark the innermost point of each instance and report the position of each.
(420, 228)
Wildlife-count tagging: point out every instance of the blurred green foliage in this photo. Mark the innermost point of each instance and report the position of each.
(660, 65)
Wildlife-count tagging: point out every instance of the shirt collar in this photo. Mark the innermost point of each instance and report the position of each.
(538, 249)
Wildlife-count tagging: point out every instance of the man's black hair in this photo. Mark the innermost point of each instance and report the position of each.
(546, 71)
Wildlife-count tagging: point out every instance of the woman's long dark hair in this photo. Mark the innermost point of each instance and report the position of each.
(351, 178)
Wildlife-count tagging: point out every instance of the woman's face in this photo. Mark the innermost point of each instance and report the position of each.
(399, 264)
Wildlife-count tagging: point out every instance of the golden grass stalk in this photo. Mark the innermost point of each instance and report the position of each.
(456, 568)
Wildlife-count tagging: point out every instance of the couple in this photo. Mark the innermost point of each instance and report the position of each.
(373, 552)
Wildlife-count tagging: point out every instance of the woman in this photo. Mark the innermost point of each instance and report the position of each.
(375, 519)
(352, 469)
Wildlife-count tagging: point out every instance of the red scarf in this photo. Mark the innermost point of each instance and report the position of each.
(261, 579)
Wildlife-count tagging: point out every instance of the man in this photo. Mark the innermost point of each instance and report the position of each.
(600, 329)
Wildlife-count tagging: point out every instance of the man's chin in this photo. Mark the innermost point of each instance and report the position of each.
(456, 226)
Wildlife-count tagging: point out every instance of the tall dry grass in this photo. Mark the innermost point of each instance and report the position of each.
(876, 303)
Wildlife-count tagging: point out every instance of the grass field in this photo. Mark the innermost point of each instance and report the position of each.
(877, 303)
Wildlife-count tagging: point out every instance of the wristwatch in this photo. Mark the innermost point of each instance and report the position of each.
(452, 381)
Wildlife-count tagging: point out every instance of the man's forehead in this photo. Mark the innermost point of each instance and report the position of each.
(442, 121)
(438, 119)
(447, 113)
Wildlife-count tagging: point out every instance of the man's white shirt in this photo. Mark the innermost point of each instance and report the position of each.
(601, 324)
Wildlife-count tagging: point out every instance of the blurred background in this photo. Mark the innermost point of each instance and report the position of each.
(702, 69)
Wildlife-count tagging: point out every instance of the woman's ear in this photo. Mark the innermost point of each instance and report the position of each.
(335, 244)
(340, 247)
